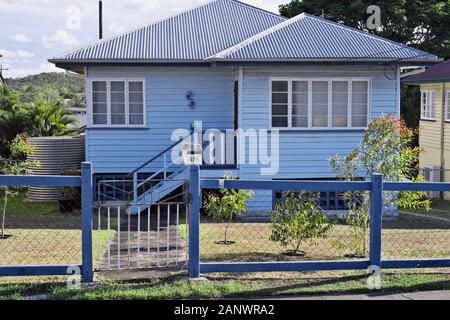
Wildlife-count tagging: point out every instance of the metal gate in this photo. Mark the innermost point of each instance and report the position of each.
(141, 235)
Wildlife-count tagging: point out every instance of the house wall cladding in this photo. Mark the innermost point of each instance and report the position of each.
(123, 150)
(305, 154)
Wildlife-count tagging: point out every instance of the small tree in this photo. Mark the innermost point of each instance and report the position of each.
(16, 165)
(387, 147)
(298, 219)
(227, 206)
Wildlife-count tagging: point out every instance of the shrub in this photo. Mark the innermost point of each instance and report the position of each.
(298, 219)
(226, 206)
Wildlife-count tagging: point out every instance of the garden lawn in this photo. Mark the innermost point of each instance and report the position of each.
(439, 208)
(255, 285)
(43, 235)
(406, 237)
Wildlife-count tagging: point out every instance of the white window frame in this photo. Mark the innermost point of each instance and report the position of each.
(108, 103)
(431, 98)
(350, 81)
(447, 105)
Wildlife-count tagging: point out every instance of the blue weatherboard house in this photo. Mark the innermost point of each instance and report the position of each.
(229, 65)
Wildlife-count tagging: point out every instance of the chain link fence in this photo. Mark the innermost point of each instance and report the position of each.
(332, 233)
(40, 233)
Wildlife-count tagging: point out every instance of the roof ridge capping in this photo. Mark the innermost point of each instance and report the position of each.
(156, 21)
(223, 54)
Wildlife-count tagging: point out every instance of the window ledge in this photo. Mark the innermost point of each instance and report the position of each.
(117, 128)
(428, 120)
(281, 130)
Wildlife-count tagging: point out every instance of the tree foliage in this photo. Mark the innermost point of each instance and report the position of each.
(422, 24)
(227, 206)
(49, 87)
(47, 118)
(387, 148)
(298, 218)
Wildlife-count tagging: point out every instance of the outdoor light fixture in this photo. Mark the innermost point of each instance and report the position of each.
(190, 97)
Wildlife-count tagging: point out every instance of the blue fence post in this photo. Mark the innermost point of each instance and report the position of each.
(194, 222)
(376, 219)
(86, 209)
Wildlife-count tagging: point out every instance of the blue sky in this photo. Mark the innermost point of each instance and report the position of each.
(31, 31)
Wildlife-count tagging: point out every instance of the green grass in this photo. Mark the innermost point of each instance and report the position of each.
(233, 286)
(439, 208)
(407, 237)
(18, 205)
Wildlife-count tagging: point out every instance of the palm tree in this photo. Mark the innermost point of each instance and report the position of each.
(51, 118)
(14, 118)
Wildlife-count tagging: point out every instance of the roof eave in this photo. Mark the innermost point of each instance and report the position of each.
(422, 81)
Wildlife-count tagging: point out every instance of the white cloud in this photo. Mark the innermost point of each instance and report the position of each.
(22, 38)
(16, 54)
(23, 72)
(116, 28)
(60, 37)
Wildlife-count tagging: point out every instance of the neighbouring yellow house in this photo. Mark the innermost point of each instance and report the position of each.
(435, 122)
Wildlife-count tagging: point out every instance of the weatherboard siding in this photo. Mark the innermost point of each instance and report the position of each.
(123, 150)
(305, 154)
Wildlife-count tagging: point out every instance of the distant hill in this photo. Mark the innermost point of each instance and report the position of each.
(53, 86)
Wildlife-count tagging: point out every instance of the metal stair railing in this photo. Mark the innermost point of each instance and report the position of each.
(164, 170)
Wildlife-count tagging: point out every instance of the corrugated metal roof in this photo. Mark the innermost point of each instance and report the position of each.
(437, 73)
(189, 36)
(308, 37)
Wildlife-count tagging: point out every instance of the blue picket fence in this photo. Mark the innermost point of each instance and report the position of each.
(376, 187)
(85, 182)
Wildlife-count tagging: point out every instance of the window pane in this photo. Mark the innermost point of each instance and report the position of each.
(100, 119)
(360, 86)
(136, 120)
(340, 110)
(340, 87)
(360, 98)
(118, 86)
(320, 86)
(300, 86)
(279, 86)
(117, 119)
(358, 121)
(280, 110)
(99, 97)
(300, 122)
(99, 86)
(136, 97)
(279, 122)
(118, 97)
(136, 86)
(137, 108)
(99, 108)
(320, 121)
(280, 98)
(340, 121)
(320, 104)
(359, 110)
(299, 97)
(300, 110)
(118, 108)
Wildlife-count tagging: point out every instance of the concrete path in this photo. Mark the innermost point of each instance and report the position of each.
(426, 295)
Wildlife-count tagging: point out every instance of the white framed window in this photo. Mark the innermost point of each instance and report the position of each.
(428, 105)
(322, 103)
(447, 105)
(117, 103)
